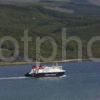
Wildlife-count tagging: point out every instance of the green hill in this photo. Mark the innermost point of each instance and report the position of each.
(42, 22)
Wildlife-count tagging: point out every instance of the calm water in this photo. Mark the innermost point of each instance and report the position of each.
(81, 83)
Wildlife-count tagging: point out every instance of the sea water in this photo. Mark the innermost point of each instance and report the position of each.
(82, 82)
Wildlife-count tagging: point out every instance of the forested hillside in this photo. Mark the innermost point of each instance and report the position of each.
(40, 21)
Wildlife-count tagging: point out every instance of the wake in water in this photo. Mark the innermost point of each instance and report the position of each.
(63, 76)
(22, 77)
(52, 78)
(12, 78)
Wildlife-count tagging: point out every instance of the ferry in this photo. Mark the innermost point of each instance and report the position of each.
(45, 71)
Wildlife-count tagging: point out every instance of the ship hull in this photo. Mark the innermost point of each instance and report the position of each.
(38, 75)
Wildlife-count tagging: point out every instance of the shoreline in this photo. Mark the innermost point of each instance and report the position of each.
(14, 63)
(23, 62)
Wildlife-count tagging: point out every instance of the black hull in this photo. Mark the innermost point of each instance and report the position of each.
(38, 75)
